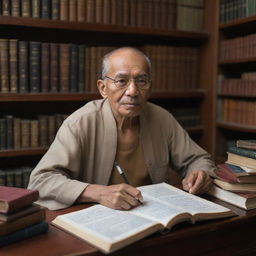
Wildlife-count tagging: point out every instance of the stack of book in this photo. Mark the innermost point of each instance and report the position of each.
(19, 217)
(235, 181)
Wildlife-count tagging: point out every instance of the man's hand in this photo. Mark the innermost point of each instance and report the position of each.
(120, 197)
(197, 182)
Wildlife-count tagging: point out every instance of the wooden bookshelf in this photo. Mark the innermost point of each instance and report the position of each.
(25, 105)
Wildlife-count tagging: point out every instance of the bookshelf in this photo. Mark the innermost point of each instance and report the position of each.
(29, 105)
(236, 89)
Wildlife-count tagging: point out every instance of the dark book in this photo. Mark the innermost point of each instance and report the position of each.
(45, 9)
(18, 178)
(54, 67)
(99, 11)
(25, 133)
(13, 199)
(4, 64)
(9, 131)
(26, 171)
(34, 133)
(247, 144)
(35, 52)
(43, 131)
(243, 152)
(6, 7)
(10, 181)
(17, 133)
(64, 10)
(24, 233)
(16, 215)
(72, 10)
(23, 66)
(22, 222)
(2, 177)
(243, 200)
(13, 65)
(55, 9)
(36, 9)
(81, 68)
(90, 10)
(64, 67)
(25, 8)
(3, 133)
(45, 64)
(15, 8)
(73, 68)
(51, 129)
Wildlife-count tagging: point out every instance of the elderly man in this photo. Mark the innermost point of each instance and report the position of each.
(144, 139)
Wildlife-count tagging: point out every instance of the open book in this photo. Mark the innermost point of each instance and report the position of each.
(163, 207)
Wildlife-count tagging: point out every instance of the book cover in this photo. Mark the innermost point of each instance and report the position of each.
(163, 207)
(243, 200)
(242, 161)
(13, 199)
(243, 152)
(25, 233)
(247, 144)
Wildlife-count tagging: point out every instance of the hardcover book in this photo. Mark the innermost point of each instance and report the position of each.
(163, 207)
(248, 144)
(243, 200)
(238, 187)
(239, 160)
(13, 199)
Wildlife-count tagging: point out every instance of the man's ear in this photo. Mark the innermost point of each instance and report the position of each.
(102, 88)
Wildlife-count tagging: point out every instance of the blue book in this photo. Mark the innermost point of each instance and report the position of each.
(24, 233)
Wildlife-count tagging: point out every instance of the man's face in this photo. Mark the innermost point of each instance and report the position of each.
(128, 101)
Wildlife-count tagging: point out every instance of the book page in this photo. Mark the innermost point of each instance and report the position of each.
(179, 199)
(105, 223)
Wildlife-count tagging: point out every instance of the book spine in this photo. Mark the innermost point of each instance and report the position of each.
(54, 67)
(35, 50)
(81, 68)
(3, 133)
(45, 9)
(64, 10)
(25, 133)
(23, 66)
(25, 8)
(55, 8)
(72, 10)
(30, 231)
(9, 131)
(35, 8)
(43, 135)
(13, 61)
(45, 76)
(34, 133)
(81, 10)
(16, 133)
(51, 128)
(15, 8)
(73, 67)
(4, 70)
(64, 67)
(6, 7)
(18, 179)
(243, 152)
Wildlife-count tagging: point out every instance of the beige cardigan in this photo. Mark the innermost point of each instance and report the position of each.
(84, 151)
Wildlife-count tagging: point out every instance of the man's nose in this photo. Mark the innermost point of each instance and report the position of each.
(132, 88)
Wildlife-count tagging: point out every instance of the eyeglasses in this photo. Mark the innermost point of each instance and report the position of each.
(142, 82)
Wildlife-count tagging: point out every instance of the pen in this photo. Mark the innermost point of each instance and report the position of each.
(121, 172)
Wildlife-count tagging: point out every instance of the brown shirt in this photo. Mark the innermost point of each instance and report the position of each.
(133, 164)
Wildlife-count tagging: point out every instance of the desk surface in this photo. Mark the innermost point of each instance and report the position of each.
(230, 236)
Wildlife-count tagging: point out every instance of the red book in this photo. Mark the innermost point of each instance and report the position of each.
(12, 199)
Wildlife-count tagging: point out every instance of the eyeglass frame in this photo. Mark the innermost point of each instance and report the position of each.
(128, 82)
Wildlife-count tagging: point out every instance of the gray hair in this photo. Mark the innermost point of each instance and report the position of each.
(105, 67)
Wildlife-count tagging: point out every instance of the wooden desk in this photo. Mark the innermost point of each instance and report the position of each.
(231, 236)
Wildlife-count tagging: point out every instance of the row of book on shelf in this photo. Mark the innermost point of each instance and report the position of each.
(241, 112)
(18, 133)
(235, 180)
(238, 48)
(36, 67)
(236, 9)
(243, 86)
(160, 14)
(20, 218)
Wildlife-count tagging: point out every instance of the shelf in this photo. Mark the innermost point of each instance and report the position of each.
(48, 97)
(9, 21)
(236, 127)
(23, 152)
(230, 95)
(195, 130)
(237, 61)
(237, 22)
